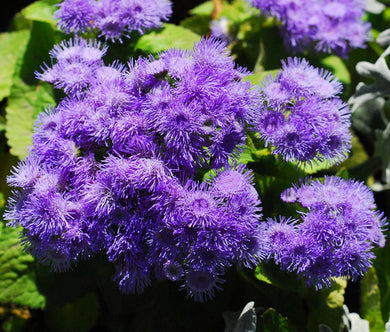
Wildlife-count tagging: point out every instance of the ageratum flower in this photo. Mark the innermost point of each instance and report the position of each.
(73, 64)
(303, 118)
(326, 26)
(112, 168)
(336, 234)
(114, 19)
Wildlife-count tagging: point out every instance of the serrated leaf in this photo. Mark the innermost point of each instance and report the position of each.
(17, 276)
(24, 103)
(12, 44)
(171, 36)
(272, 321)
(40, 11)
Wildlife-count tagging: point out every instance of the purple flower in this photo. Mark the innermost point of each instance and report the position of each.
(114, 19)
(75, 15)
(303, 117)
(76, 62)
(326, 26)
(336, 234)
(113, 166)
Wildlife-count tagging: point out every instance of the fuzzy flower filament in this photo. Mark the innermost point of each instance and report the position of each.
(112, 168)
(114, 19)
(302, 117)
(325, 26)
(334, 236)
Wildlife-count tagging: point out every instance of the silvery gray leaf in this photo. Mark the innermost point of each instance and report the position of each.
(363, 95)
(380, 73)
(324, 328)
(378, 187)
(387, 326)
(346, 320)
(374, 7)
(383, 38)
(382, 149)
(369, 115)
(386, 52)
(377, 70)
(245, 321)
(358, 324)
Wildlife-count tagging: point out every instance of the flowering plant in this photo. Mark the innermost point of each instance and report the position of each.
(180, 167)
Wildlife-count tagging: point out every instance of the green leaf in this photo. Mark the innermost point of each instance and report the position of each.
(199, 24)
(382, 268)
(40, 11)
(326, 306)
(257, 78)
(238, 11)
(24, 103)
(272, 321)
(235, 11)
(338, 68)
(80, 315)
(272, 274)
(171, 36)
(259, 274)
(205, 8)
(313, 167)
(370, 303)
(11, 45)
(17, 276)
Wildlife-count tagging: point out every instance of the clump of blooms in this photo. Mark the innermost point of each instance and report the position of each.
(112, 168)
(114, 19)
(336, 235)
(328, 26)
(303, 117)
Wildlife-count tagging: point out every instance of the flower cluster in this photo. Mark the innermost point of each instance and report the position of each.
(336, 234)
(112, 168)
(303, 117)
(328, 26)
(114, 19)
